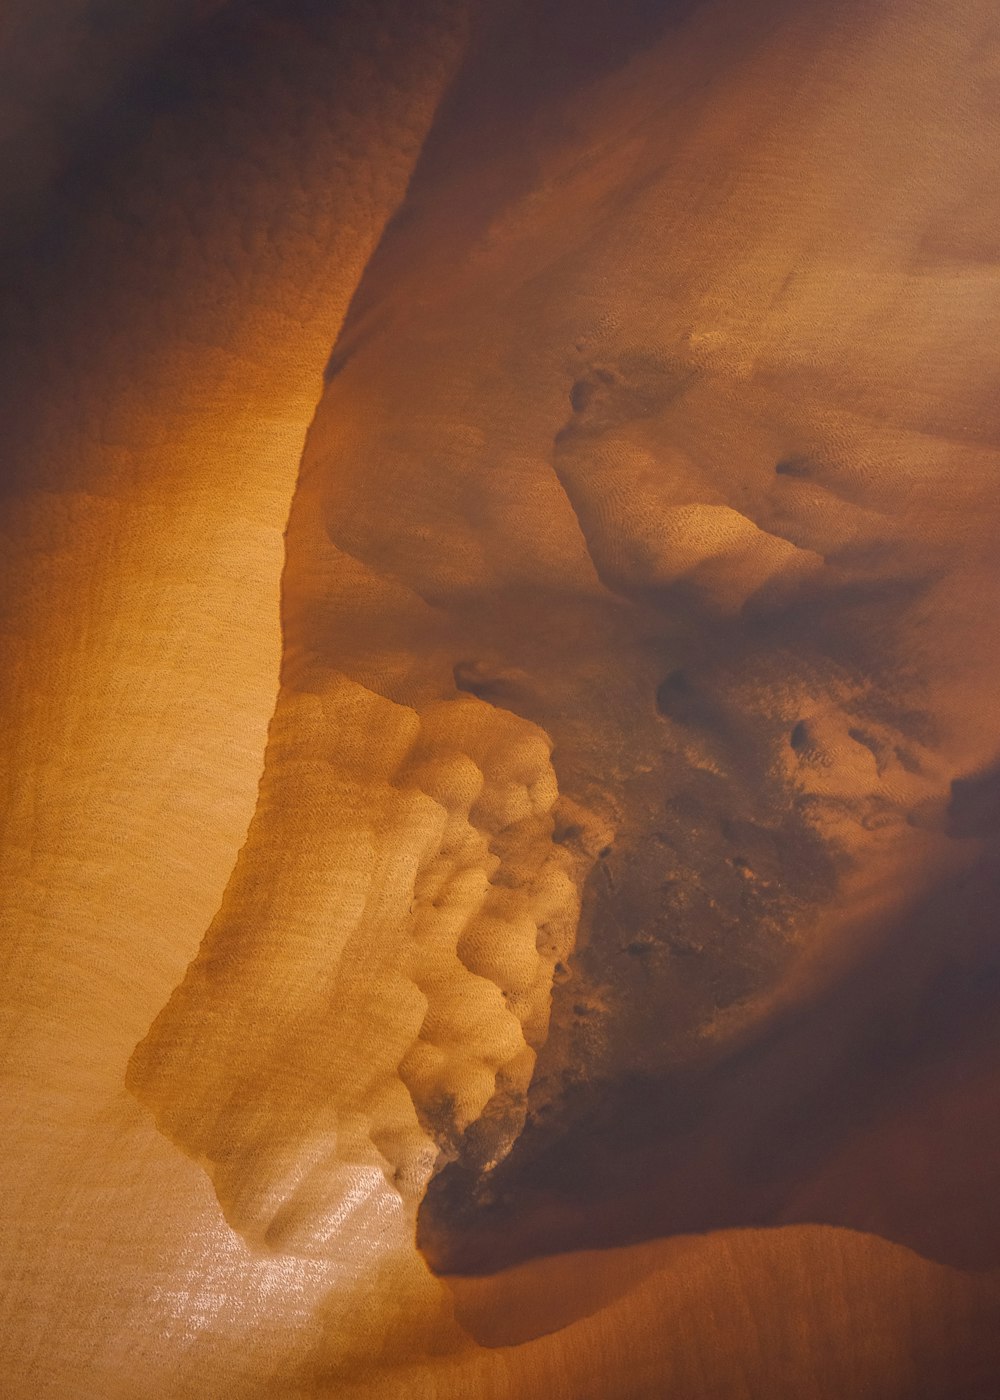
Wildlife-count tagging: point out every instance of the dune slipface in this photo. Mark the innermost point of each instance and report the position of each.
(603, 1002)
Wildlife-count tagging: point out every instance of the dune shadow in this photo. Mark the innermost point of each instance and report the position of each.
(870, 1105)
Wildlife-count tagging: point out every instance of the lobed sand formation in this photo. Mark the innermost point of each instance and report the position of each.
(616, 921)
(378, 1015)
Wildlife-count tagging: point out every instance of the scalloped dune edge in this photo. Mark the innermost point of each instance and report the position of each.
(374, 995)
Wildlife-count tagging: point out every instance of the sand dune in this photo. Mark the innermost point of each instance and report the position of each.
(602, 1000)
